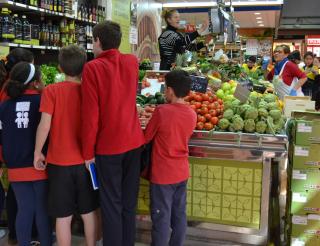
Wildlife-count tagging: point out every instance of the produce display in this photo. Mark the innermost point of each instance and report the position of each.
(158, 98)
(209, 109)
(262, 113)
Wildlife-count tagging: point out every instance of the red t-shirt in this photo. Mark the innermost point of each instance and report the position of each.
(170, 128)
(290, 72)
(110, 123)
(63, 100)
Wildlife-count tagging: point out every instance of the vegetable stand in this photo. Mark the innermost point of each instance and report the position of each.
(229, 188)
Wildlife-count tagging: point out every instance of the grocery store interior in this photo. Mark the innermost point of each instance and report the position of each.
(255, 86)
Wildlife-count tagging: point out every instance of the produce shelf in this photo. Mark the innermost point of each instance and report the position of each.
(40, 47)
(41, 11)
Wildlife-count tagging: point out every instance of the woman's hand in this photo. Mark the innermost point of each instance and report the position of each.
(204, 26)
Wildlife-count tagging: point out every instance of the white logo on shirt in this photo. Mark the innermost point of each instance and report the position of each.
(22, 109)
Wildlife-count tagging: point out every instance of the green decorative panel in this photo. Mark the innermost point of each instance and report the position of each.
(220, 191)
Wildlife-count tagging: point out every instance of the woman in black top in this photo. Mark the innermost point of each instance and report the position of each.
(172, 42)
(311, 87)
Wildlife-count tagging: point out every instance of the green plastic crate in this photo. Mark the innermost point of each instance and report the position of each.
(305, 230)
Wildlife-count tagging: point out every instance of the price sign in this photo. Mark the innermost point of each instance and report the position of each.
(199, 83)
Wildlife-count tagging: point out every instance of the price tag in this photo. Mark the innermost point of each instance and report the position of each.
(303, 128)
(313, 217)
(299, 220)
(297, 175)
(25, 46)
(199, 83)
(300, 151)
(297, 242)
(297, 197)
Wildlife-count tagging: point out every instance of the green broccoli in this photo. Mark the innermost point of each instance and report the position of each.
(249, 125)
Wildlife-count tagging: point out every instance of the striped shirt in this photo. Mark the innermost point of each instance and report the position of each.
(172, 43)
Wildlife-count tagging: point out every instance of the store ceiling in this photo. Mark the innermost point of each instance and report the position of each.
(248, 13)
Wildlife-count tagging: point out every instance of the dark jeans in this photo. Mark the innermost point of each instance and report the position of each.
(168, 210)
(119, 177)
(11, 206)
(32, 202)
(2, 198)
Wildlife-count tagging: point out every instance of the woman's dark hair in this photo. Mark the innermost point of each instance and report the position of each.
(15, 56)
(309, 53)
(295, 55)
(18, 55)
(167, 14)
(179, 81)
(18, 76)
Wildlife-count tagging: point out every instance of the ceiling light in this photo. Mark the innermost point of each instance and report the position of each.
(261, 25)
(259, 18)
(257, 13)
(260, 22)
(211, 3)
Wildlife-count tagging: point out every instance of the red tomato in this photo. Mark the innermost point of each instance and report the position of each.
(211, 106)
(220, 116)
(198, 98)
(205, 97)
(187, 99)
(208, 116)
(192, 102)
(208, 126)
(204, 110)
(205, 103)
(216, 104)
(199, 126)
(198, 104)
(201, 118)
(215, 98)
(191, 95)
(218, 111)
(213, 112)
(214, 120)
(209, 93)
(198, 111)
(220, 101)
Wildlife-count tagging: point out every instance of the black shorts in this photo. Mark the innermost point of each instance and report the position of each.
(70, 191)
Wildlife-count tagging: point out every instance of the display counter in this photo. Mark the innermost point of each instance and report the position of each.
(229, 188)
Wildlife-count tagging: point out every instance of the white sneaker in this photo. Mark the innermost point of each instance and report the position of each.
(2, 233)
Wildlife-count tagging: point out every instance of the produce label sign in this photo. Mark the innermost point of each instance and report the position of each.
(241, 93)
(199, 83)
(220, 191)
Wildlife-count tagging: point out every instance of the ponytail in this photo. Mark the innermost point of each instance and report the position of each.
(15, 89)
(167, 14)
(21, 76)
(3, 74)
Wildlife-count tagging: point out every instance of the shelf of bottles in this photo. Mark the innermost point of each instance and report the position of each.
(74, 25)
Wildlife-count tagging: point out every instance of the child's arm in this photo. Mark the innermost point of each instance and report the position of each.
(152, 126)
(41, 137)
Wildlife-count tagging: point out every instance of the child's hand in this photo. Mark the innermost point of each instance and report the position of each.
(38, 161)
(88, 162)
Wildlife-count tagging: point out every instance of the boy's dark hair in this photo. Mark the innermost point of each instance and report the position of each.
(179, 81)
(19, 74)
(72, 59)
(109, 34)
(252, 59)
(295, 55)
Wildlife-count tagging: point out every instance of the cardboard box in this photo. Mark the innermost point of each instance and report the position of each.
(305, 230)
(305, 202)
(306, 156)
(307, 132)
(297, 103)
(305, 180)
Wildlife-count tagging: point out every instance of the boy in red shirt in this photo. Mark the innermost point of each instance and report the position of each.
(70, 188)
(170, 129)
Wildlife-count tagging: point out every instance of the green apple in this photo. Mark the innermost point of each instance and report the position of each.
(220, 94)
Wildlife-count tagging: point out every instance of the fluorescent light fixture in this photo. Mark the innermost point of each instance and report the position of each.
(260, 22)
(261, 25)
(257, 13)
(210, 4)
(259, 18)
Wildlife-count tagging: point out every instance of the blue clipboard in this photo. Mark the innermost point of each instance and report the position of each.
(93, 175)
